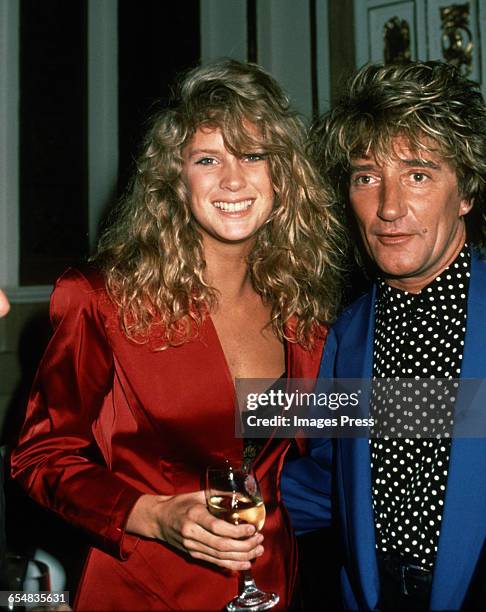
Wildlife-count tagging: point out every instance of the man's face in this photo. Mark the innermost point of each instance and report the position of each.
(409, 213)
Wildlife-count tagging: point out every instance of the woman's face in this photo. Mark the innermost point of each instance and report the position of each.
(231, 196)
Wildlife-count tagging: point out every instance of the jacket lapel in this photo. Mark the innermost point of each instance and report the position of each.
(300, 363)
(355, 349)
(355, 360)
(464, 521)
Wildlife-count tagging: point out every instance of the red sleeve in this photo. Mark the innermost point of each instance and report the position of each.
(57, 460)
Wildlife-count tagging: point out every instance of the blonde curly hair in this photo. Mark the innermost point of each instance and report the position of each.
(152, 254)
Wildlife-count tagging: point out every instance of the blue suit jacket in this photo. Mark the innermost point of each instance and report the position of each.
(348, 354)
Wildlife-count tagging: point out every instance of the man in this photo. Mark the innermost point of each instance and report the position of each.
(405, 150)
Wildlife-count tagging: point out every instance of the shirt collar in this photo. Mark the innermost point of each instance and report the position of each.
(453, 279)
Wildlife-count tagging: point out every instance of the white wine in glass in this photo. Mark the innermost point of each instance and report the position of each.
(233, 494)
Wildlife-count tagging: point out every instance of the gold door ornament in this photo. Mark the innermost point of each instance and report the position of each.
(457, 45)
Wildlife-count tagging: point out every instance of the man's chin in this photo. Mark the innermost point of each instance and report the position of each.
(397, 270)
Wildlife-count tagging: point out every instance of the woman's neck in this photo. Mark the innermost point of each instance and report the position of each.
(227, 270)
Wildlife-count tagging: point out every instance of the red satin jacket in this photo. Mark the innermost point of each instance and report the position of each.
(109, 420)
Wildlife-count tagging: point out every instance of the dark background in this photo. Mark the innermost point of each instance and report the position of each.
(157, 40)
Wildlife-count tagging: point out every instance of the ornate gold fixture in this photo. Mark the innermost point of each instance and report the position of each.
(457, 45)
(396, 36)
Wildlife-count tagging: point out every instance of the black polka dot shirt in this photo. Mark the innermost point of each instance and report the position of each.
(416, 336)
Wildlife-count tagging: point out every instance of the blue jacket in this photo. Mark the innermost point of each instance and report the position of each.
(306, 490)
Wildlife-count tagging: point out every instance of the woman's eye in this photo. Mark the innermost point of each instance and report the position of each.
(206, 161)
(254, 157)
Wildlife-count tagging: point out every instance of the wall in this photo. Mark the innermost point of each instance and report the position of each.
(292, 43)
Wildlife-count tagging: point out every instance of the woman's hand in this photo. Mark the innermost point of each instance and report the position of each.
(184, 522)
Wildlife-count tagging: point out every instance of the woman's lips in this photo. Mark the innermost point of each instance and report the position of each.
(233, 207)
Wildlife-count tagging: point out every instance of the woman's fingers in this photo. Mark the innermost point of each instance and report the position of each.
(242, 550)
(202, 536)
(229, 559)
(185, 522)
(235, 566)
(200, 515)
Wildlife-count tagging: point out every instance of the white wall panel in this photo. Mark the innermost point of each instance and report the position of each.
(223, 29)
(9, 142)
(284, 48)
(102, 109)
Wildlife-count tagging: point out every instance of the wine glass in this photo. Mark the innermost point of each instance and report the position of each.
(233, 494)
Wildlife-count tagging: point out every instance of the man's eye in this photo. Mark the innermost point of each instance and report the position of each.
(363, 179)
(206, 161)
(419, 177)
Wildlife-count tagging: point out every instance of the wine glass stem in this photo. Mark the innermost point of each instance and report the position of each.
(248, 581)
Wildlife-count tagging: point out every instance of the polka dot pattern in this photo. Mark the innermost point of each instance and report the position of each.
(416, 336)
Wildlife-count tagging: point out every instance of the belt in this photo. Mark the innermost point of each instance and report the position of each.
(412, 580)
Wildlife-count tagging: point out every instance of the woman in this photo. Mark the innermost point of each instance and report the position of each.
(219, 265)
